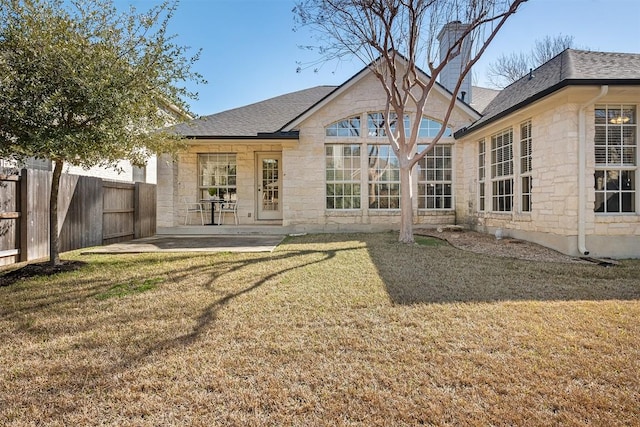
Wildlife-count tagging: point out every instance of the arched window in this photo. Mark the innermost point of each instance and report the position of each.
(346, 128)
(430, 128)
(376, 124)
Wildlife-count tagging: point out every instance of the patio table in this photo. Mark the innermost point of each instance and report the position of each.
(213, 202)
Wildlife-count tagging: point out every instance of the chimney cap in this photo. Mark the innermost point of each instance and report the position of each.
(452, 26)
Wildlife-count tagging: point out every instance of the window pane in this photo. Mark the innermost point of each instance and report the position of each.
(430, 128)
(434, 178)
(526, 194)
(501, 167)
(628, 180)
(599, 205)
(502, 195)
(375, 125)
(628, 202)
(502, 154)
(343, 176)
(383, 177)
(217, 175)
(615, 135)
(615, 191)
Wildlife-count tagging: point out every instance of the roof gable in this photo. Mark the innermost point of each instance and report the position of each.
(441, 90)
(280, 117)
(481, 97)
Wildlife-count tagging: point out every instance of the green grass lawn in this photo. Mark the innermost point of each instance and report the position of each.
(326, 330)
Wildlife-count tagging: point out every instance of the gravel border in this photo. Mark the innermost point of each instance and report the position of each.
(487, 244)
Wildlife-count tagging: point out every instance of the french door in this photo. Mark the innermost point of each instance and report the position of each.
(268, 183)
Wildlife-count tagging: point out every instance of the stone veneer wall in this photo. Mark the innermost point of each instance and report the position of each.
(165, 195)
(553, 221)
(304, 185)
(179, 180)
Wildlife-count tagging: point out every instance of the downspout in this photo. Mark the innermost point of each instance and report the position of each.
(582, 166)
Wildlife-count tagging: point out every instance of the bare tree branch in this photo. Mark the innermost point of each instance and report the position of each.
(394, 37)
(509, 68)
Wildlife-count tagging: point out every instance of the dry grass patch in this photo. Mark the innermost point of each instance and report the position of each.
(326, 330)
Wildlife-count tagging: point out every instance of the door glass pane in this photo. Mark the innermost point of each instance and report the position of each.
(270, 171)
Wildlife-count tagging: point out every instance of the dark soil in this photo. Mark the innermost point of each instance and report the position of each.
(38, 270)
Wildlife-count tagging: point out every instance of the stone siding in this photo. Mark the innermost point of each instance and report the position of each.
(553, 220)
(305, 186)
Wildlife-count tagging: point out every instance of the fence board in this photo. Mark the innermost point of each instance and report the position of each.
(80, 212)
(145, 210)
(118, 212)
(9, 219)
(35, 194)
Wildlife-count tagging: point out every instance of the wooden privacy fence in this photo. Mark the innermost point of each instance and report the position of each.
(91, 212)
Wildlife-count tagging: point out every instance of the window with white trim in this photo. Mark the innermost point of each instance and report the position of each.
(384, 178)
(482, 155)
(616, 158)
(435, 179)
(343, 176)
(525, 166)
(217, 175)
(348, 180)
(344, 128)
(502, 171)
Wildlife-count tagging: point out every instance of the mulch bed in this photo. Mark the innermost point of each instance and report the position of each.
(38, 270)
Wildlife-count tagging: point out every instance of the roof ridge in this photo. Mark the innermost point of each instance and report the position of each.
(569, 65)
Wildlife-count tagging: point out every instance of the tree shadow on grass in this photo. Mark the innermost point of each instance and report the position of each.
(137, 344)
(39, 300)
(209, 314)
(412, 274)
(443, 274)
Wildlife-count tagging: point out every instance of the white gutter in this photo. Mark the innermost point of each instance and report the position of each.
(582, 166)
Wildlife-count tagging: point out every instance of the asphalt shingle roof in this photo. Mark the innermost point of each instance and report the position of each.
(271, 115)
(569, 67)
(267, 116)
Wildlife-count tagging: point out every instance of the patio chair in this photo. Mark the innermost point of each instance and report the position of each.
(228, 207)
(191, 208)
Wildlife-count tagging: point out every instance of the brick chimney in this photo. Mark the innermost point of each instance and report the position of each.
(449, 34)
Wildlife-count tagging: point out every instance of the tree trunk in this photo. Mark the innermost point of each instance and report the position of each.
(406, 205)
(54, 240)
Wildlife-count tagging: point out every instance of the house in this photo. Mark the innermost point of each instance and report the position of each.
(554, 157)
(551, 159)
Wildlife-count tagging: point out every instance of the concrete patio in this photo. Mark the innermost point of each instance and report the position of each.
(192, 243)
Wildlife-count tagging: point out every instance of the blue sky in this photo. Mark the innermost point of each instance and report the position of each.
(249, 48)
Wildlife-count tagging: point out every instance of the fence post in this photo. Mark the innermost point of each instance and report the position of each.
(24, 216)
